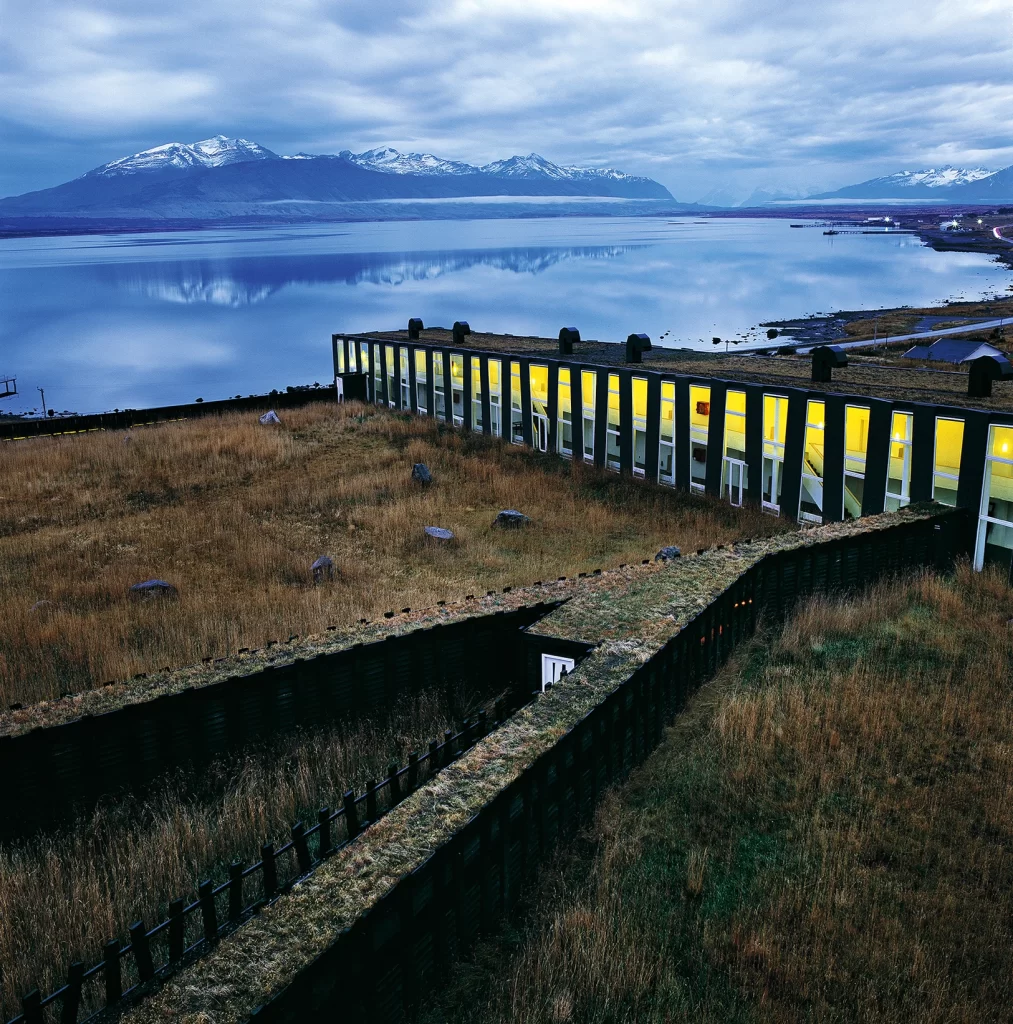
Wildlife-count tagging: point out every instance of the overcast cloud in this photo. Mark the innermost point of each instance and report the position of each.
(695, 94)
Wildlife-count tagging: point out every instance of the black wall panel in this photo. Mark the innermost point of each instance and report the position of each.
(653, 424)
(716, 438)
(877, 457)
(794, 443)
(754, 442)
(833, 460)
(682, 449)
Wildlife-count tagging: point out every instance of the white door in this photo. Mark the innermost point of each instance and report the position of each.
(541, 432)
(736, 475)
(553, 668)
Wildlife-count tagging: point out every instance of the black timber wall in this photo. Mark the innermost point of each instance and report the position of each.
(380, 969)
(50, 772)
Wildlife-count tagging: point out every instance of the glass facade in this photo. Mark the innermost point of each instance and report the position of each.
(477, 422)
(588, 383)
(994, 542)
(516, 410)
(457, 388)
(363, 357)
(406, 384)
(612, 424)
(734, 472)
(898, 475)
(856, 450)
(388, 351)
(564, 407)
(539, 377)
(377, 374)
(666, 437)
(340, 347)
(810, 504)
(699, 426)
(421, 381)
(775, 422)
(439, 388)
(639, 426)
(946, 460)
(496, 396)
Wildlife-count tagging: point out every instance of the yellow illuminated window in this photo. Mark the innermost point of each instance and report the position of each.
(666, 450)
(420, 364)
(564, 431)
(457, 388)
(811, 495)
(775, 422)
(612, 423)
(995, 519)
(946, 467)
(898, 480)
(340, 347)
(516, 414)
(540, 387)
(699, 425)
(639, 398)
(588, 382)
(639, 425)
(735, 424)
(495, 374)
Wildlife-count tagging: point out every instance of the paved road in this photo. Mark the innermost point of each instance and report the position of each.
(985, 325)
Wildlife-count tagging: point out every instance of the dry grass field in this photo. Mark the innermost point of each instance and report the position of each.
(233, 513)
(63, 895)
(824, 835)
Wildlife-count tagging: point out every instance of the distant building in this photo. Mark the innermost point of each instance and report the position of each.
(947, 350)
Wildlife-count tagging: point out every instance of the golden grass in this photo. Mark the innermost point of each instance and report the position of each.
(824, 835)
(233, 514)
(63, 895)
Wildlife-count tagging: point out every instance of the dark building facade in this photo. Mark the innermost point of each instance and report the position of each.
(814, 455)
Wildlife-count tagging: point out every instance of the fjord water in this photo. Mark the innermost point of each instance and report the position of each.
(127, 321)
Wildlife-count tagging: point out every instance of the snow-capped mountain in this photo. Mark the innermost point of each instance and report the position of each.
(218, 151)
(390, 161)
(939, 183)
(223, 178)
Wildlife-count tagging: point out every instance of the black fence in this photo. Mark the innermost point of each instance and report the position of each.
(380, 969)
(193, 928)
(52, 773)
(124, 419)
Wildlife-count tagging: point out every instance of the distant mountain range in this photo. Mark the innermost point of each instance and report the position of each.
(222, 178)
(942, 184)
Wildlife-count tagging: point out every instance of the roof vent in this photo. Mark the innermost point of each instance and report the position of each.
(983, 371)
(568, 337)
(461, 328)
(826, 359)
(636, 346)
(415, 328)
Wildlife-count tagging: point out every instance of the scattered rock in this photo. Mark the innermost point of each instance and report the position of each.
(420, 472)
(667, 553)
(322, 569)
(152, 589)
(438, 533)
(510, 517)
(270, 417)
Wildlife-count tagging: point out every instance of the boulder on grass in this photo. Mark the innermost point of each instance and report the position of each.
(322, 569)
(510, 518)
(150, 589)
(439, 533)
(269, 417)
(420, 472)
(667, 553)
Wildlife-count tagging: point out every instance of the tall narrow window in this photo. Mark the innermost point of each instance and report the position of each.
(421, 382)
(734, 471)
(775, 421)
(406, 384)
(564, 428)
(666, 440)
(339, 348)
(699, 426)
(639, 426)
(539, 377)
(810, 503)
(898, 475)
(516, 409)
(477, 422)
(377, 375)
(612, 424)
(994, 543)
(946, 473)
(439, 387)
(391, 380)
(353, 362)
(457, 388)
(588, 383)
(363, 357)
(856, 448)
(496, 396)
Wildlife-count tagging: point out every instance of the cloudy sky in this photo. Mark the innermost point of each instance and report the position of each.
(695, 93)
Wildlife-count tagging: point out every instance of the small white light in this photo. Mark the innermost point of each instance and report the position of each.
(1005, 447)
(820, 425)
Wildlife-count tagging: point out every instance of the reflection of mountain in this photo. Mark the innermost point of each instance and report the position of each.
(248, 280)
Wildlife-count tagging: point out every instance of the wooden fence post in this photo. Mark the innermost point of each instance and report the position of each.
(269, 869)
(142, 951)
(236, 891)
(302, 850)
(413, 772)
(351, 814)
(113, 978)
(72, 997)
(177, 930)
(393, 784)
(324, 844)
(209, 914)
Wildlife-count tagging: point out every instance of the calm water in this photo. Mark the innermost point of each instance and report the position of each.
(122, 321)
